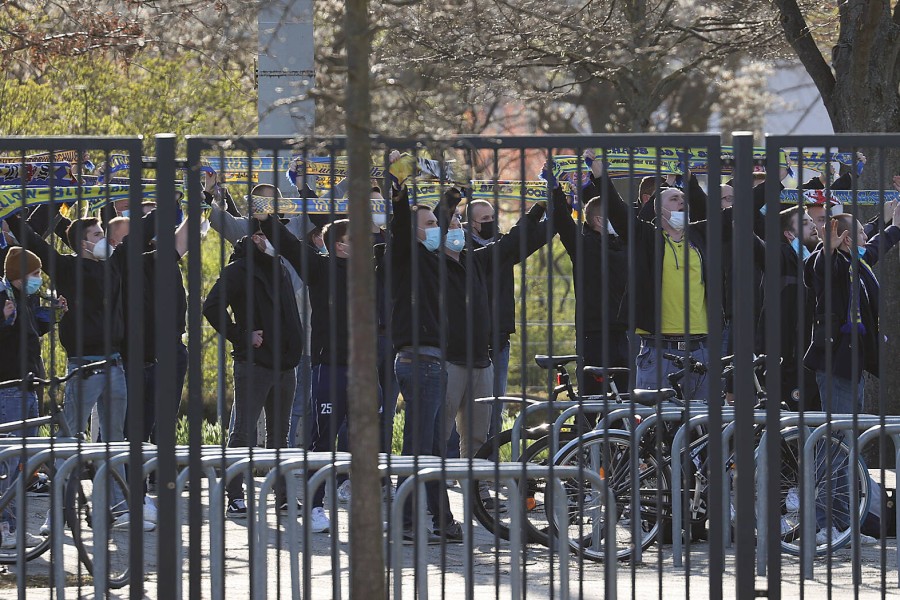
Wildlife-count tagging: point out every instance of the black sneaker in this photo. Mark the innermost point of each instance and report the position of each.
(283, 508)
(409, 537)
(237, 509)
(40, 485)
(452, 532)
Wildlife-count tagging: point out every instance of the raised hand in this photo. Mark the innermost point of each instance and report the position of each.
(836, 240)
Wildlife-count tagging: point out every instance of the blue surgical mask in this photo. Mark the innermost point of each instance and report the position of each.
(861, 250)
(455, 240)
(323, 251)
(432, 239)
(125, 213)
(800, 248)
(32, 285)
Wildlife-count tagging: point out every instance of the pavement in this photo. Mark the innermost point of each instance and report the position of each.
(475, 569)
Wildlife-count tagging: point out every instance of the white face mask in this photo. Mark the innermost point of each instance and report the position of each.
(379, 220)
(101, 250)
(676, 220)
(610, 228)
(204, 227)
(270, 249)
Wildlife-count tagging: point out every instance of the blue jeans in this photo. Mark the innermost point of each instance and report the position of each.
(845, 397)
(301, 411)
(11, 409)
(693, 385)
(109, 392)
(424, 388)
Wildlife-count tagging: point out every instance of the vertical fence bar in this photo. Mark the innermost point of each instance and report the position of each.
(195, 373)
(743, 357)
(168, 395)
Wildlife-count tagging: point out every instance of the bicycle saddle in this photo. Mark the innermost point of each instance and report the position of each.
(652, 397)
(598, 372)
(551, 362)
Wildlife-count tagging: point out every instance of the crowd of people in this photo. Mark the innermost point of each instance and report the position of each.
(446, 310)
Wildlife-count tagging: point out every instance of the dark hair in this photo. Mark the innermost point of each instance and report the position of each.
(76, 229)
(845, 222)
(787, 216)
(648, 186)
(333, 232)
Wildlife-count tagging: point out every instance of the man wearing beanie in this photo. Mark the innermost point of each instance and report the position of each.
(20, 331)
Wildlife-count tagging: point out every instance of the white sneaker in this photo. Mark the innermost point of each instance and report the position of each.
(318, 521)
(867, 540)
(10, 538)
(824, 536)
(792, 500)
(151, 513)
(786, 527)
(45, 526)
(124, 520)
(343, 492)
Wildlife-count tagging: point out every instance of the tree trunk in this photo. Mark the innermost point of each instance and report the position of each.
(366, 546)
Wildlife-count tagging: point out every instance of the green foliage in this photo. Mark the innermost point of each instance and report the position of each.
(211, 434)
(97, 96)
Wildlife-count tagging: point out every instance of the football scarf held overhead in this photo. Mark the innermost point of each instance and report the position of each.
(95, 197)
(37, 174)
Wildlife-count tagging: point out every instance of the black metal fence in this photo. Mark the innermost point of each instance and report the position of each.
(608, 366)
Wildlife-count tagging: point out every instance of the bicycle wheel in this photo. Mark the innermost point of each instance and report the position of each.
(490, 498)
(838, 490)
(36, 507)
(588, 511)
(80, 510)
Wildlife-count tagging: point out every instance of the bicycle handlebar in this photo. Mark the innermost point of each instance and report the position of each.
(83, 371)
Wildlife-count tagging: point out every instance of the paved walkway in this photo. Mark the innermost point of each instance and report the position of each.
(490, 567)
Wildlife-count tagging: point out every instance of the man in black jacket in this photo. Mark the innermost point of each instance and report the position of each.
(468, 309)
(799, 238)
(267, 339)
(419, 366)
(326, 279)
(600, 293)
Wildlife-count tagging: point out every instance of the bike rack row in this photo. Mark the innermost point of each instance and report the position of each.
(613, 411)
(220, 465)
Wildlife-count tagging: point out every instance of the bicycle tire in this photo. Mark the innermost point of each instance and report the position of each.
(790, 477)
(78, 512)
(488, 503)
(36, 508)
(653, 481)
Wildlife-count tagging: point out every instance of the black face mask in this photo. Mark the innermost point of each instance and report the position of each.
(488, 230)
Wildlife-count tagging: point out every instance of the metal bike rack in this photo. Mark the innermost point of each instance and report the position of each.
(874, 433)
(808, 535)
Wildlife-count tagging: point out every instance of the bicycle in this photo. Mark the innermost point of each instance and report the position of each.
(489, 504)
(610, 452)
(78, 507)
